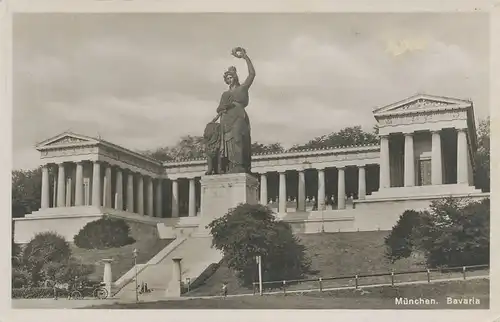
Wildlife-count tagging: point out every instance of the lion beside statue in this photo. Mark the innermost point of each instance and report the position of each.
(212, 138)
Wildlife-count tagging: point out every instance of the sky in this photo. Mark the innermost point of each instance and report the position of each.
(143, 81)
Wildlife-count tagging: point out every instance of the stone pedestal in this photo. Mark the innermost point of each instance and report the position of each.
(174, 287)
(225, 191)
(108, 277)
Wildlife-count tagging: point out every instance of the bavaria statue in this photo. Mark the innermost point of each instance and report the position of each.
(228, 143)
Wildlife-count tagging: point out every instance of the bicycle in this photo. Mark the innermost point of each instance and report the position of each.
(98, 291)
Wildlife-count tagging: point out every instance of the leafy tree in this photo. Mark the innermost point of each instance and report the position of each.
(482, 157)
(400, 240)
(250, 230)
(104, 233)
(44, 248)
(259, 148)
(26, 191)
(453, 232)
(345, 137)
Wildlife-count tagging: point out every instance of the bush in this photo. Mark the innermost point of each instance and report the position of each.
(66, 271)
(46, 247)
(20, 277)
(250, 230)
(104, 233)
(453, 232)
(400, 240)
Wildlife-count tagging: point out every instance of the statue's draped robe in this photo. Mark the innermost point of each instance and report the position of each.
(235, 129)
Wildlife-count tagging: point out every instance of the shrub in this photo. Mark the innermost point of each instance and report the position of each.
(67, 271)
(250, 230)
(44, 248)
(37, 292)
(104, 233)
(453, 232)
(20, 277)
(400, 240)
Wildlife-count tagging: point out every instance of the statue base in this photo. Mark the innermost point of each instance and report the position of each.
(221, 192)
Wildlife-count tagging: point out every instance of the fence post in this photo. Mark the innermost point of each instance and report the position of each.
(253, 288)
(428, 276)
(356, 281)
(284, 287)
(392, 278)
(463, 271)
(320, 285)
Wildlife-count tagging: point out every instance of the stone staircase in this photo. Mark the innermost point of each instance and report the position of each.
(196, 254)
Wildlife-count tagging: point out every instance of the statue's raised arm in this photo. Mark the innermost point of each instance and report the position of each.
(241, 53)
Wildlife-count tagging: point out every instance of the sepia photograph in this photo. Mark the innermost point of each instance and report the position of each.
(322, 160)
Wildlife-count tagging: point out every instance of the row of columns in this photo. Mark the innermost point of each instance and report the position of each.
(301, 199)
(104, 197)
(192, 198)
(436, 159)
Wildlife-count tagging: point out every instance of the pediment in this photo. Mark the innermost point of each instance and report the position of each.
(420, 102)
(66, 139)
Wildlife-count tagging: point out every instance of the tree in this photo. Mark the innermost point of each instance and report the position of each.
(104, 233)
(44, 248)
(259, 148)
(345, 137)
(250, 230)
(482, 157)
(26, 191)
(453, 232)
(188, 147)
(66, 270)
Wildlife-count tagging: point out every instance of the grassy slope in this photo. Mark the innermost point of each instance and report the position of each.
(332, 254)
(376, 298)
(148, 244)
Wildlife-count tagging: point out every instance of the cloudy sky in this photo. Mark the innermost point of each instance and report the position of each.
(145, 80)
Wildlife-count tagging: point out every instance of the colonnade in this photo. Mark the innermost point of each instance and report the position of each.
(102, 185)
(463, 161)
(321, 195)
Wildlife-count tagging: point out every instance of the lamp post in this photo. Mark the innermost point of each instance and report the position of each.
(135, 266)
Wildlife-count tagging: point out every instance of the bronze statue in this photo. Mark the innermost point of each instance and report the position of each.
(234, 152)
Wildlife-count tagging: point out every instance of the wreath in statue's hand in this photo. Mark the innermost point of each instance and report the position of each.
(239, 52)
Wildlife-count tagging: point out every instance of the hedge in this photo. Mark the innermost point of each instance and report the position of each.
(37, 293)
(104, 233)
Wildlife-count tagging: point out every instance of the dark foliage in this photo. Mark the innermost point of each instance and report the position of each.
(454, 232)
(250, 230)
(104, 233)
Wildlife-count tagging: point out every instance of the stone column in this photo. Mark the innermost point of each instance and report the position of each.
(107, 187)
(150, 197)
(301, 191)
(96, 185)
(140, 194)
(436, 159)
(174, 287)
(108, 276)
(159, 198)
(361, 182)
(341, 188)
(462, 155)
(282, 193)
(69, 191)
(79, 184)
(61, 186)
(263, 189)
(409, 165)
(385, 171)
(192, 198)
(119, 189)
(45, 202)
(130, 191)
(175, 198)
(321, 189)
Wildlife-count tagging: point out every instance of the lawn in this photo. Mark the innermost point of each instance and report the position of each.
(147, 243)
(371, 298)
(331, 254)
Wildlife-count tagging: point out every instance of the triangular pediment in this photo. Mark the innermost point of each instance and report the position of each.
(421, 102)
(66, 138)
